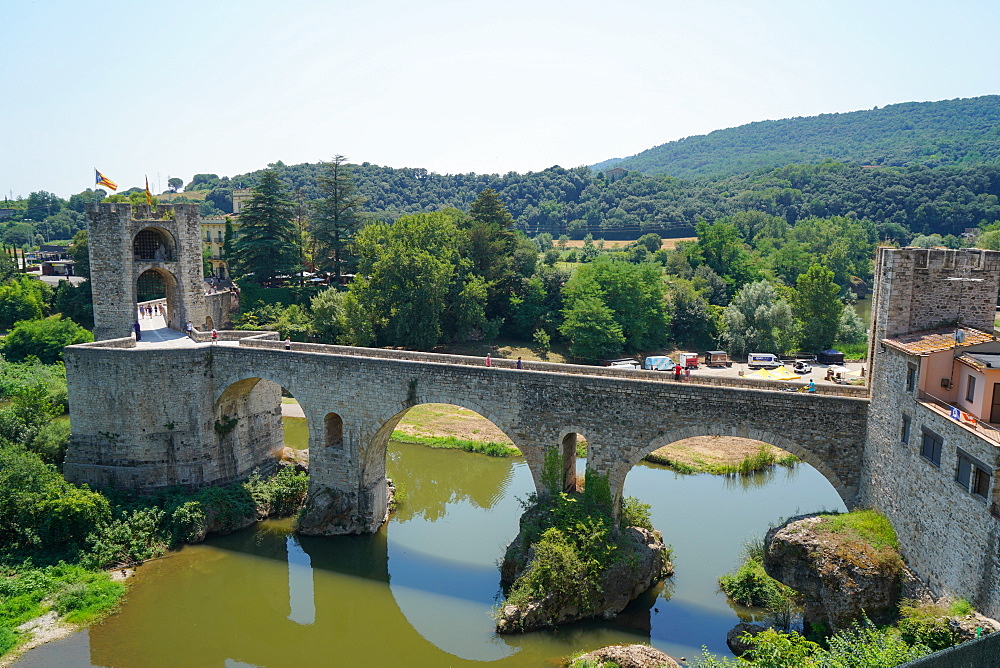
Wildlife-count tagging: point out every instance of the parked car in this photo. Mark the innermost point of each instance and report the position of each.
(624, 363)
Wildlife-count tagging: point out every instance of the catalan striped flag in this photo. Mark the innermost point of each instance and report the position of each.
(102, 180)
(149, 195)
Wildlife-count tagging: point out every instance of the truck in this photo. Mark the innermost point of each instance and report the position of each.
(689, 360)
(763, 361)
(717, 359)
(659, 363)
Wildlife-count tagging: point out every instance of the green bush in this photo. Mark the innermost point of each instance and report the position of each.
(635, 514)
(282, 494)
(51, 441)
(39, 510)
(133, 537)
(43, 339)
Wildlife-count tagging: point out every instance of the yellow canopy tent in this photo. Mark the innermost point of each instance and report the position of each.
(781, 373)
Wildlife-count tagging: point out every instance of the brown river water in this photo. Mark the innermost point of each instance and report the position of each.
(420, 591)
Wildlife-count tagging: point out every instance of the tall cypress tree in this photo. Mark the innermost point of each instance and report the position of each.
(266, 246)
(338, 216)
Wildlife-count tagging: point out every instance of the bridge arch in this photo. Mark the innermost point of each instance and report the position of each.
(619, 470)
(373, 458)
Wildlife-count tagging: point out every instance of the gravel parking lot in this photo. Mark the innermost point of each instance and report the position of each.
(818, 373)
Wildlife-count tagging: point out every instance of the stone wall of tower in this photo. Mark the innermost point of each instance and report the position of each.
(114, 268)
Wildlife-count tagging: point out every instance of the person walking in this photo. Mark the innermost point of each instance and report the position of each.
(677, 372)
(138, 331)
(215, 335)
(687, 374)
(288, 343)
(519, 365)
(489, 360)
(189, 328)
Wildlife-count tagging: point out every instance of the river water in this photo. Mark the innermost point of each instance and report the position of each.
(419, 592)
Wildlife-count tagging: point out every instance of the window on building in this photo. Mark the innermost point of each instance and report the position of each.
(970, 391)
(218, 236)
(972, 474)
(930, 447)
(208, 235)
(911, 377)
(904, 434)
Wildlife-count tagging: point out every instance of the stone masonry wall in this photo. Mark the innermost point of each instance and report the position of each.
(114, 268)
(947, 535)
(146, 419)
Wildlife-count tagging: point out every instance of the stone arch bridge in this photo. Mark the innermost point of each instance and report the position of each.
(189, 413)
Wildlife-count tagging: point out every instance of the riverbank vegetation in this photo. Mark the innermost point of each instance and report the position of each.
(57, 538)
(917, 628)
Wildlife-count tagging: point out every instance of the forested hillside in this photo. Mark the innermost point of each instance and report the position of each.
(960, 131)
(900, 202)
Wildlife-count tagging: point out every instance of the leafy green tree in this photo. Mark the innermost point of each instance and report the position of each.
(44, 339)
(413, 286)
(327, 310)
(591, 329)
(42, 204)
(8, 268)
(721, 248)
(818, 307)
(633, 293)
(75, 302)
(851, 329)
(23, 298)
(651, 241)
(758, 320)
(39, 511)
(491, 248)
(175, 183)
(691, 322)
(266, 246)
(338, 216)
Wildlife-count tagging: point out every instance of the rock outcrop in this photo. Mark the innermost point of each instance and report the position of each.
(839, 579)
(644, 564)
(631, 656)
(735, 637)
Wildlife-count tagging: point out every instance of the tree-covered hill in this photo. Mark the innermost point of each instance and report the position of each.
(949, 132)
(901, 202)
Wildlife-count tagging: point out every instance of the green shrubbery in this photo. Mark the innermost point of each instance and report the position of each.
(77, 594)
(486, 448)
(751, 586)
(575, 541)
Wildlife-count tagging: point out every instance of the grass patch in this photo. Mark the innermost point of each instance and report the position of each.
(450, 442)
(764, 458)
(751, 586)
(868, 526)
(77, 594)
(854, 351)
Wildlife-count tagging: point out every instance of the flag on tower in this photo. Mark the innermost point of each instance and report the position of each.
(102, 180)
(149, 196)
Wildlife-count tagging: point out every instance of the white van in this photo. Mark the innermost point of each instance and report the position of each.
(763, 361)
(659, 363)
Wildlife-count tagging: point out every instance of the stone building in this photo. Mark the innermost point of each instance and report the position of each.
(140, 250)
(932, 447)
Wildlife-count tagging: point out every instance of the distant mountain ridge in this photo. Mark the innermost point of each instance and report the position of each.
(963, 131)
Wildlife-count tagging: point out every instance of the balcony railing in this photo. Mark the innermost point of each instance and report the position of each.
(967, 420)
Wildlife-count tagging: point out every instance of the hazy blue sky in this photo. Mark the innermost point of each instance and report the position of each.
(179, 87)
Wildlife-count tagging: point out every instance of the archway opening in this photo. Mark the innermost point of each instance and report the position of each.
(455, 512)
(710, 519)
(156, 299)
(295, 430)
(248, 429)
(153, 244)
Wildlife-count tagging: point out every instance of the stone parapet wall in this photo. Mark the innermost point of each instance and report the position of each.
(554, 367)
(220, 306)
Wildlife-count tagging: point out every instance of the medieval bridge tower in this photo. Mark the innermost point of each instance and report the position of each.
(142, 248)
